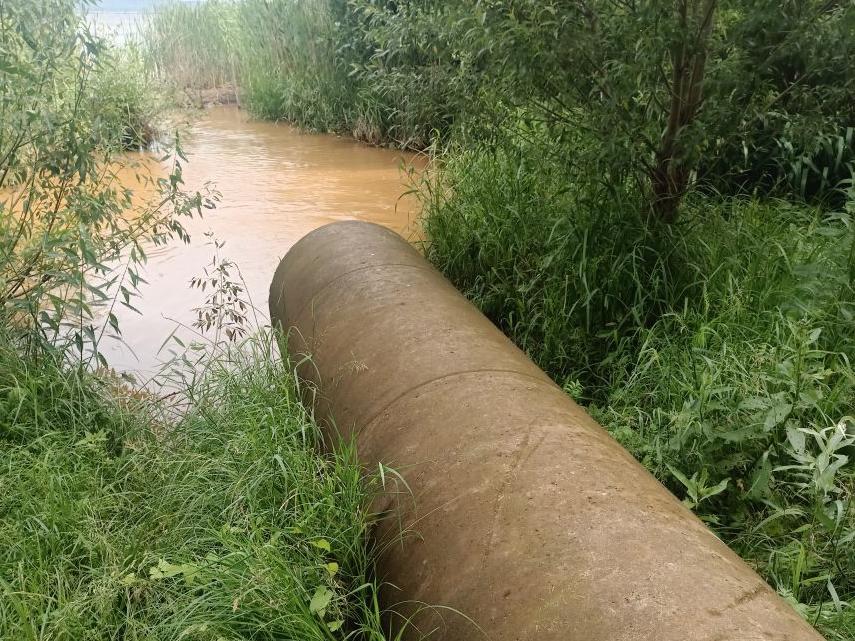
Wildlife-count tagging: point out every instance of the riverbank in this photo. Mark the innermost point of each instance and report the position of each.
(676, 249)
(205, 506)
(653, 204)
(222, 523)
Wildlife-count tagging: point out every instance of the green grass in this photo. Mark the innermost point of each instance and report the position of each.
(125, 102)
(281, 54)
(192, 43)
(117, 522)
(317, 64)
(718, 351)
(120, 517)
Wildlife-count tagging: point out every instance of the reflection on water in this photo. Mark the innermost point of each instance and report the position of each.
(277, 184)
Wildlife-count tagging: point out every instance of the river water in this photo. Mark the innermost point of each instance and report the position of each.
(276, 185)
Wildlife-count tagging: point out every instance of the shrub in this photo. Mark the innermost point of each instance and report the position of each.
(71, 239)
(125, 103)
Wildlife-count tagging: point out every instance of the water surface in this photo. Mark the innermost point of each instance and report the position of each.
(276, 184)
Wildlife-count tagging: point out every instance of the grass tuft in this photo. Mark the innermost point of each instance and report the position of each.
(229, 524)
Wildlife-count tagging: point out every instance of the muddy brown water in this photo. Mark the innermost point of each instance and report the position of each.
(276, 184)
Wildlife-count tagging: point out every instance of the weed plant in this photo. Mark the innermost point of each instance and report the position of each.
(741, 96)
(717, 348)
(315, 64)
(193, 43)
(117, 521)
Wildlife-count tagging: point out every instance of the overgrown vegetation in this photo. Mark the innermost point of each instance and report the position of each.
(192, 44)
(120, 522)
(730, 96)
(654, 199)
(70, 109)
(208, 513)
(717, 351)
(315, 63)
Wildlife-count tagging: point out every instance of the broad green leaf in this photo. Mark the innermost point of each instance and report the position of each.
(323, 544)
(320, 600)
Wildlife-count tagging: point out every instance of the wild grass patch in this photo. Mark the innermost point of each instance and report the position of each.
(227, 524)
(717, 350)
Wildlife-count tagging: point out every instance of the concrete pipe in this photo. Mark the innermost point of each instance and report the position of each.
(524, 514)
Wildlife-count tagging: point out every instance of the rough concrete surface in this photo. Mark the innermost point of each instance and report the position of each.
(519, 510)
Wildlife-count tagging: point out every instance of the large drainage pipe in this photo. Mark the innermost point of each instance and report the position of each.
(525, 515)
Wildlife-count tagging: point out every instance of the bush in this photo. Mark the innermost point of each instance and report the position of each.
(192, 43)
(355, 68)
(564, 269)
(123, 516)
(71, 237)
(125, 103)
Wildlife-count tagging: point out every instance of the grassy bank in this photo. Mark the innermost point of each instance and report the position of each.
(654, 200)
(719, 351)
(121, 522)
(313, 64)
(120, 516)
(768, 106)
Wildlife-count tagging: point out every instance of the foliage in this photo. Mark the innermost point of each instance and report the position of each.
(119, 521)
(290, 65)
(192, 43)
(412, 72)
(718, 350)
(71, 235)
(734, 95)
(124, 515)
(227, 307)
(729, 95)
(124, 100)
(349, 67)
(281, 53)
(789, 85)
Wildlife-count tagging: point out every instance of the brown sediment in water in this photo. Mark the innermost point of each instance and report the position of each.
(221, 96)
(277, 184)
